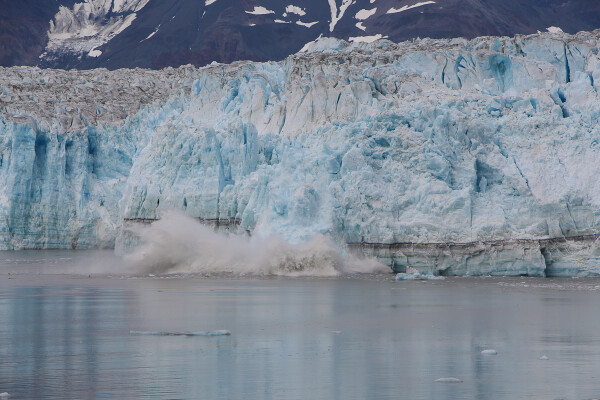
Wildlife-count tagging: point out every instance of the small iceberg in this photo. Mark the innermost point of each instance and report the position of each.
(4, 395)
(544, 358)
(448, 380)
(413, 274)
(489, 352)
(164, 333)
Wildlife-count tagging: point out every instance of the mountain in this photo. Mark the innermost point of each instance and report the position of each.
(158, 33)
(451, 156)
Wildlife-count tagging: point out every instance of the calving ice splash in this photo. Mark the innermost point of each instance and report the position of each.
(177, 244)
(447, 156)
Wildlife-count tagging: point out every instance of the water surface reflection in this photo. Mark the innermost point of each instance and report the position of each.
(66, 337)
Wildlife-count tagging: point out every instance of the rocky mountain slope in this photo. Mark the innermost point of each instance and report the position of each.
(156, 33)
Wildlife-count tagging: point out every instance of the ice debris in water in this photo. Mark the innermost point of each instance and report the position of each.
(413, 274)
(4, 395)
(221, 332)
(489, 352)
(448, 380)
(544, 357)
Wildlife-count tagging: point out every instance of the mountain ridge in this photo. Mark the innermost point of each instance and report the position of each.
(155, 34)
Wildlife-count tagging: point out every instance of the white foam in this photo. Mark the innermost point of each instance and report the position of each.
(180, 244)
(413, 274)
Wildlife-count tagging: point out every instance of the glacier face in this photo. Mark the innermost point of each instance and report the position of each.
(493, 140)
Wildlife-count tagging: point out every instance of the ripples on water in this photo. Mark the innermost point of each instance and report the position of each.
(65, 334)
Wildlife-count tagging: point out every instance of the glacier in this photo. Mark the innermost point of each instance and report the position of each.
(453, 157)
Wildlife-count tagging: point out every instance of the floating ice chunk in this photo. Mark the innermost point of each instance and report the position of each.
(336, 332)
(489, 352)
(544, 358)
(4, 395)
(448, 380)
(167, 333)
(414, 275)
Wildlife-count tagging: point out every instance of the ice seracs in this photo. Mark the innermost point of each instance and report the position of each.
(453, 157)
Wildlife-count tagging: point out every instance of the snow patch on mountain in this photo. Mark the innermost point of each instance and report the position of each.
(307, 24)
(260, 10)
(366, 39)
(364, 14)
(151, 34)
(89, 25)
(323, 45)
(404, 8)
(292, 9)
(337, 14)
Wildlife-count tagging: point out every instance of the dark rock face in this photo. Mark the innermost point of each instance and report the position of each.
(191, 32)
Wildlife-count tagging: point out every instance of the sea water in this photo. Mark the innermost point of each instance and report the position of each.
(67, 335)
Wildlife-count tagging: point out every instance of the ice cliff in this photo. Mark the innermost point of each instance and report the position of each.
(443, 155)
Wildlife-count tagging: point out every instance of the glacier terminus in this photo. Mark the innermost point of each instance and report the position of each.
(449, 156)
